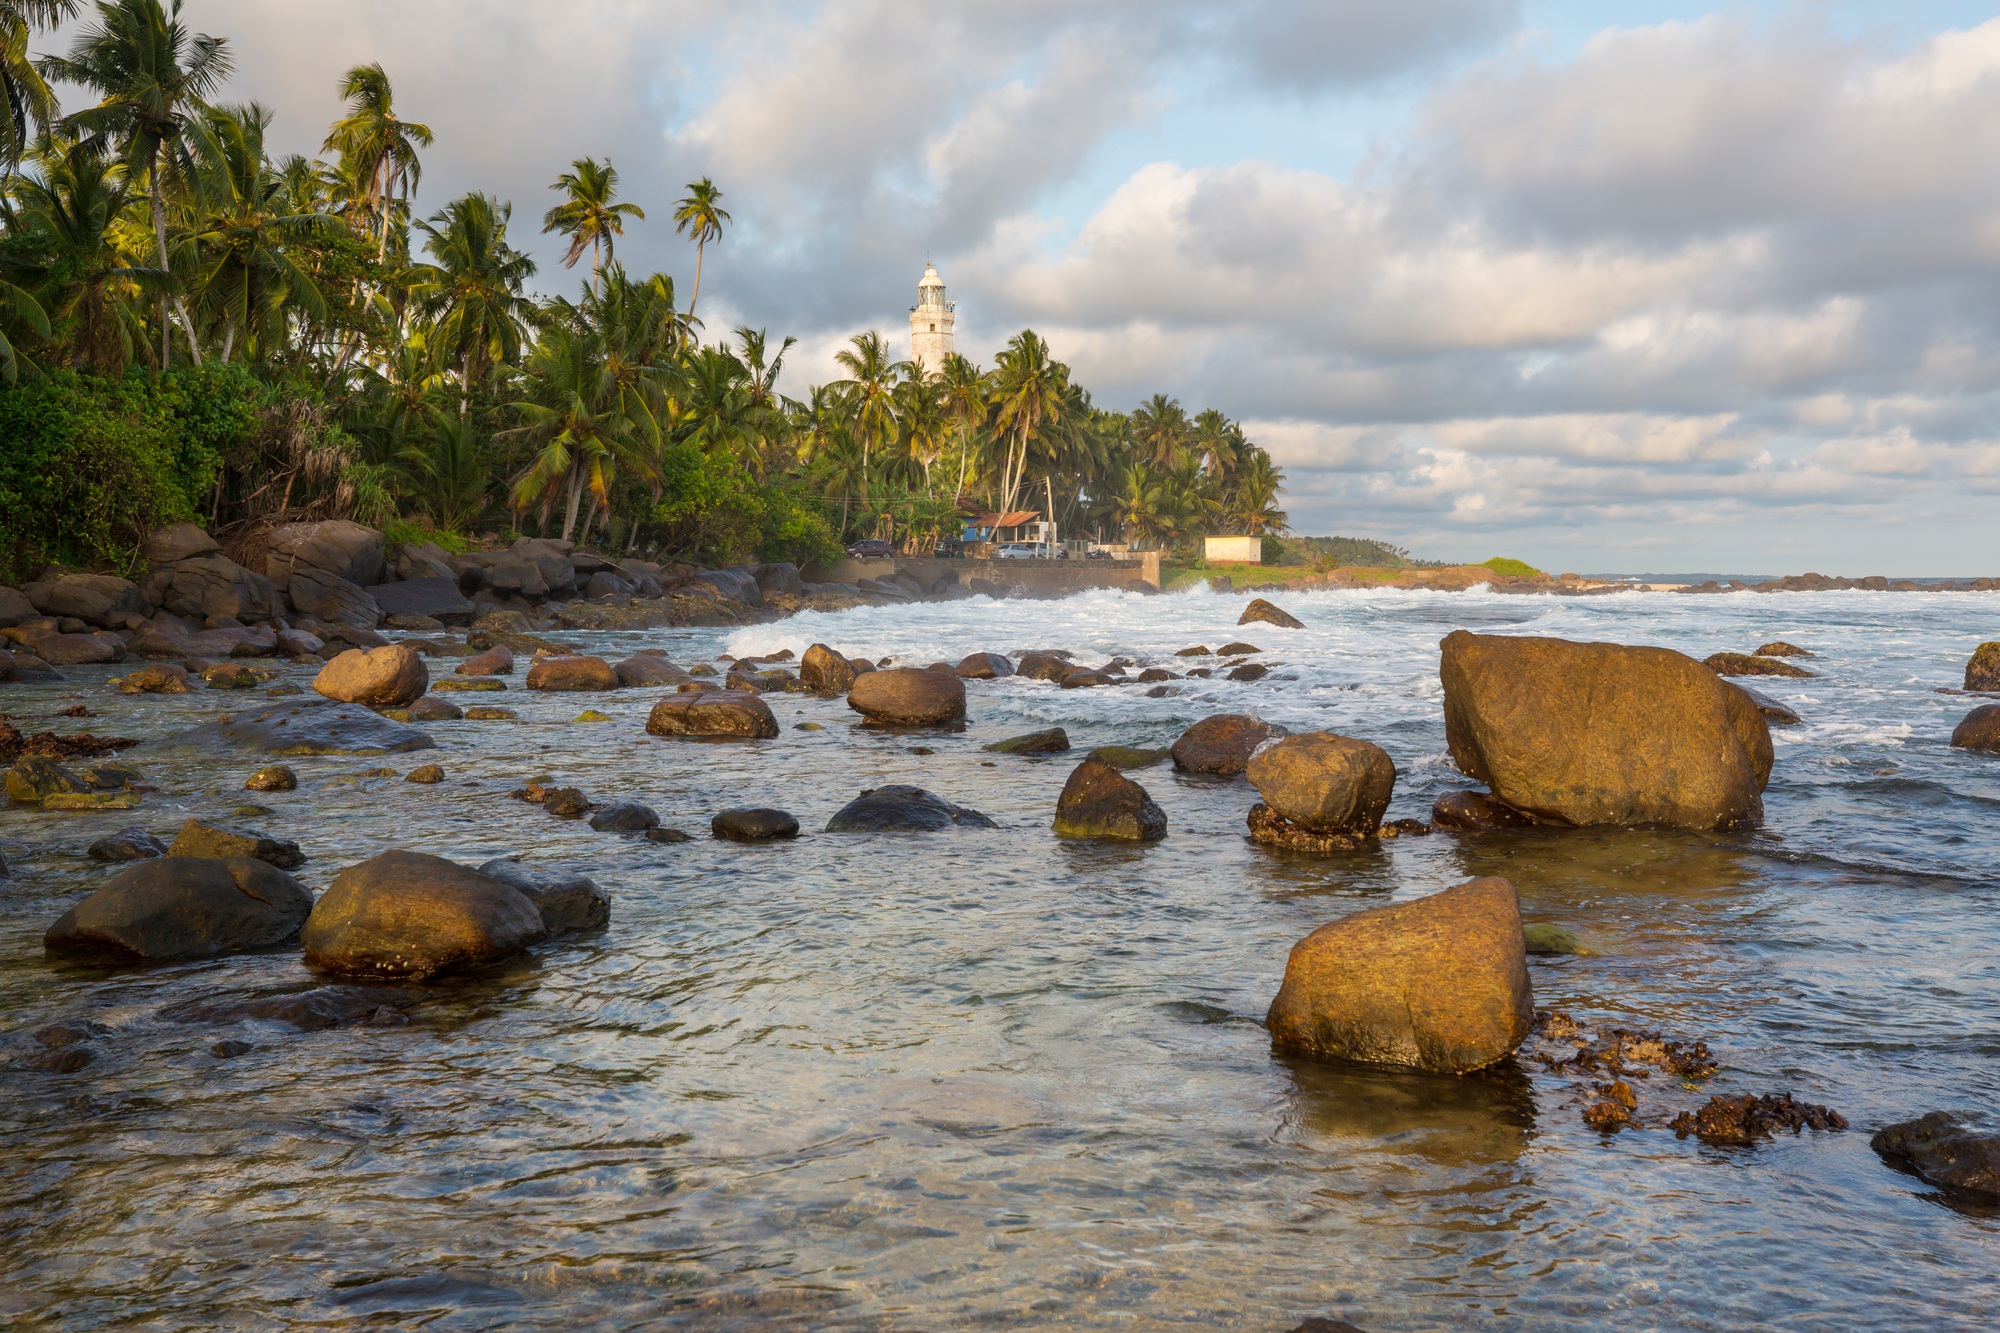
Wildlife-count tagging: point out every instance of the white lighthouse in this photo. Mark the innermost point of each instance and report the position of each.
(930, 323)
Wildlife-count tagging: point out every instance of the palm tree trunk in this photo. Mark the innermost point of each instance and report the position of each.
(159, 203)
(697, 280)
(575, 496)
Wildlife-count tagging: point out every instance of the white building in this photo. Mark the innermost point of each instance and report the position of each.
(930, 323)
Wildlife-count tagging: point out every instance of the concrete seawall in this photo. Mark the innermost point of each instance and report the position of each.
(1016, 578)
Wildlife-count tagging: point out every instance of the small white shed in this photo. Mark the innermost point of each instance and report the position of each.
(1233, 550)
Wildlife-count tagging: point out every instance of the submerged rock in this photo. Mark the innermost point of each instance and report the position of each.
(1099, 802)
(627, 817)
(908, 697)
(34, 779)
(747, 823)
(128, 844)
(410, 915)
(203, 839)
(314, 1010)
(568, 899)
(160, 678)
(1979, 730)
(713, 714)
(1942, 1150)
(1773, 712)
(1439, 984)
(1262, 611)
(1325, 783)
(1222, 744)
(1600, 733)
(903, 809)
(425, 775)
(1478, 812)
(386, 677)
(307, 726)
(1052, 740)
(275, 777)
(183, 907)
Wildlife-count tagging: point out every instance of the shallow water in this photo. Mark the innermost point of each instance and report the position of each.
(989, 1079)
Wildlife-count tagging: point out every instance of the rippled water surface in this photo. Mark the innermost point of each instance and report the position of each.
(986, 1079)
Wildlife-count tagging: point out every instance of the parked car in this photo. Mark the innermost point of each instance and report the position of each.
(874, 548)
(1030, 551)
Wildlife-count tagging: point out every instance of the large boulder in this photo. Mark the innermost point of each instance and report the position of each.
(737, 584)
(1979, 730)
(903, 809)
(392, 676)
(1222, 744)
(436, 596)
(15, 608)
(648, 668)
(34, 778)
(751, 823)
(205, 839)
(984, 666)
(1325, 783)
(303, 726)
(908, 697)
(1941, 1149)
(103, 600)
(568, 900)
(58, 649)
(1982, 669)
(495, 661)
(713, 714)
(572, 674)
(336, 547)
(551, 558)
(1439, 984)
(214, 585)
(336, 600)
(1044, 666)
(1602, 733)
(177, 542)
(410, 915)
(183, 907)
(826, 672)
(425, 560)
(1100, 802)
(1261, 611)
(781, 577)
(522, 578)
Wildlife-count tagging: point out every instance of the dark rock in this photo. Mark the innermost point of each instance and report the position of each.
(34, 778)
(1082, 678)
(129, 844)
(984, 666)
(15, 608)
(430, 708)
(1779, 648)
(628, 817)
(825, 671)
(301, 727)
(1321, 1324)
(903, 809)
(103, 600)
(1222, 744)
(275, 777)
(334, 547)
(214, 585)
(604, 584)
(406, 914)
(1745, 1119)
(332, 599)
(1197, 651)
(58, 649)
(905, 696)
(1439, 984)
(1100, 802)
(647, 669)
(297, 643)
(1260, 610)
(198, 838)
(753, 824)
(1979, 730)
(1272, 829)
(1053, 740)
(236, 676)
(567, 803)
(736, 584)
(1477, 812)
(1743, 664)
(1152, 674)
(568, 900)
(782, 577)
(58, 1035)
(664, 834)
(1237, 649)
(435, 597)
(314, 1010)
(1325, 783)
(1128, 756)
(177, 542)
(1044, 666)
(1773, 712)
(1250, 671)
(425, 775)
(1939, 1148)
(723, 714)
(1982, 670)
(495, 661)
(387, 677)
(183, 907)
(572, 674)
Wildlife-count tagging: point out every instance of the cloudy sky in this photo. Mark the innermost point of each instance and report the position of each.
(1603, 284)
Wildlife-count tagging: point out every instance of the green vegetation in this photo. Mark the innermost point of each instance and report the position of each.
(192, 327)
(1513, 569)
(1342, 551)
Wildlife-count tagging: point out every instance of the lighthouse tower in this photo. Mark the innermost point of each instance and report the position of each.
(930, 323)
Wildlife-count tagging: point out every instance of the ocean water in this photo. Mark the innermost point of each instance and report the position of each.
(990, 1079)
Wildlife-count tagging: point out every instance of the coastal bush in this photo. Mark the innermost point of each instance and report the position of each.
(1513, 569)
(795, 530)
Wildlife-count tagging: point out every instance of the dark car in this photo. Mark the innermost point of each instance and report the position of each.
(872, 549)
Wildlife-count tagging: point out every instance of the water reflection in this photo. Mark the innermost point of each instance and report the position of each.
(1477, 1120)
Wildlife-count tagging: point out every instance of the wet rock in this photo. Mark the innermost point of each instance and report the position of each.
(495, 661)
(1744, 664)
(199, 838)
(1439, 984)
(1773, 712)
(297, 643)
(1099, 802)
(572, 673)
(159, 679)
(1979, 730)
(1128, 756)
(306, 726)
(177, 542)
(90, 800)
(1044, 666)
(903, 809)
(1478, 812)
(825, 671)
(909, 697)
(1272, 829)
(485, 714)
(1982, 669)
(468, 685)
(1745, 1119)
(1052, 740)
(984, 666)
(56, 649)
(626, 817)
(1322, 1324)
(1325, 783)
(1598, 733)
(275, 777)
(410, 915)
(1261, 610)
(425, 775)
(568, 900)
(1237, 649)
(435, 598)
(129, 844)
(1544, 939)
(1941, 1149)
(430, 708)
(33, 779)
(567, 803)
(1151, 674)
(183, 907)
(314, 1010)
(753, 824)
(1221, 744)
(643, 669)
(65, 1061)
(1250, 671)
(668, 835)
(590, 715)
(1083, 678)
(236, 676)
(110, 777)
(387, 677)
(719, 714)
(1198, 650)
(1779, 648)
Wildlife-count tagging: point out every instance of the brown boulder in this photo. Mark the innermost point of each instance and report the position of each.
(213, 585)
(1222, 744)
(1602, 733)
(495, 661)
(728, 714)
(1262, 611)
(1744, 664)
(1100, 802)
(648, 668)
(199, 838)
(824, 671)
(337, 547)
(164, 908)
(101, 599)
(1478, 812)
(1779, 648)
(1982, 669)
(909, 697)
(405, 914)
(387, 677)
(163, 679)
(984, 666)
(1439, 984)
(572, 674)
(1044, 666)
(1980, 730)
(1325, 783)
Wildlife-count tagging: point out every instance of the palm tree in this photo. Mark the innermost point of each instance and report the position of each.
(67, 209)
(471, 291)
(870, 388)
(1159, 428)
(25, 99)
(587, 216)
(578, 424)
(921, 416)
(154, 77)
(699, 218)
(379, 147)
(1028, 401)
(964, 392)
(1252, 504)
